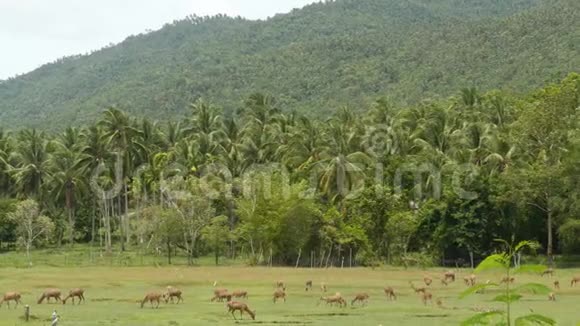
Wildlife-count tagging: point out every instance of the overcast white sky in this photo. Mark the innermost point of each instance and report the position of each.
(34, 32)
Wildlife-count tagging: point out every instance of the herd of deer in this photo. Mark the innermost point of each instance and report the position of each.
(221, 295)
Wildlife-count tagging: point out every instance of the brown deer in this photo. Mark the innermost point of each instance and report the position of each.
(152, 297)
(449, 276)
(390, 293)
(466, 280)
(557, 284)
(234, 306)
(444, 282)
(240, 294)
(221, 295)
(280, 285)
(426, 296)
(75, 293)
(173, 293)
(323, 287)
(552, 296)
(336, 298)
(470, 280)
(549, 272)
(308, 285)
(11, 296)
(427, 280)
(417, 290)
(363, 298)
(279, 294)
(506, 279)
(48, 294)
(575, 279)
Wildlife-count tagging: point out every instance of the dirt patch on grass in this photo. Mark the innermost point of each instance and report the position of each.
(129, 300)
(282, 322)
(102, 299)
(431, 315)
(330, 314)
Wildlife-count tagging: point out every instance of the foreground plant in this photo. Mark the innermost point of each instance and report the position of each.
(503, 261)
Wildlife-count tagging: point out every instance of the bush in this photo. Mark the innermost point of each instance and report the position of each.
(570, 237)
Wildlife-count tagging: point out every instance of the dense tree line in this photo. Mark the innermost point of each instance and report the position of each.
(315, 59)
(433, 182)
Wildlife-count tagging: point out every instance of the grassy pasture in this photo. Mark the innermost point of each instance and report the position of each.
(113, 295)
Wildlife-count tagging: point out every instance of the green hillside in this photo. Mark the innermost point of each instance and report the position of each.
(312, 59)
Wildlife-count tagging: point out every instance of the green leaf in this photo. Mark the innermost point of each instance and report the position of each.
(481, 318)
(534, 319)
(473, 289)
(522, 245)
(532, 287)
(512, 297)
(530, 269)
(496, 261)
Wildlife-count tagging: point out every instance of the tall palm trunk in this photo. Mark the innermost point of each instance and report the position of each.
(70, 211)
(127, 224)
(550, 237)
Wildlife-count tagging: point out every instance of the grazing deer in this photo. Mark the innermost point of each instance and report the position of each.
(506, 279)
(50, 293)
(552, 296)
(221, 295)
(75, 293)
(281, 285)
(444, 282)
(466, 280)
(152, 297)
(575, 280)
(470, 280)
(279, 294)
(240, 294)
(363, 298)
(308, 286)
(426, 296)
(390, 293)
(427, 280)
(449, 276)
(173, 293)
(11, 296)
(234, 306)
(557, 284)
(417, 290)
(323, 287)
(337, 298)
(549, 272)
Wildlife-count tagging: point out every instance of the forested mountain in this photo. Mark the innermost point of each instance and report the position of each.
(313, 60)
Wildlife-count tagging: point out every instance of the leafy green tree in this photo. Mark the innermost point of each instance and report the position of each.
(31, 225)
(502, 262)
(216, 235)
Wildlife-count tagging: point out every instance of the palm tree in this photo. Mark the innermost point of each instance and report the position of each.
(342, 165)
(204, 120)
(307, 142)
(120, 132)
(30, 159)
(67, 179)
(5, 148)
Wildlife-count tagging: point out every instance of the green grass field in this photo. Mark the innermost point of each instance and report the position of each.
(113, 295)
